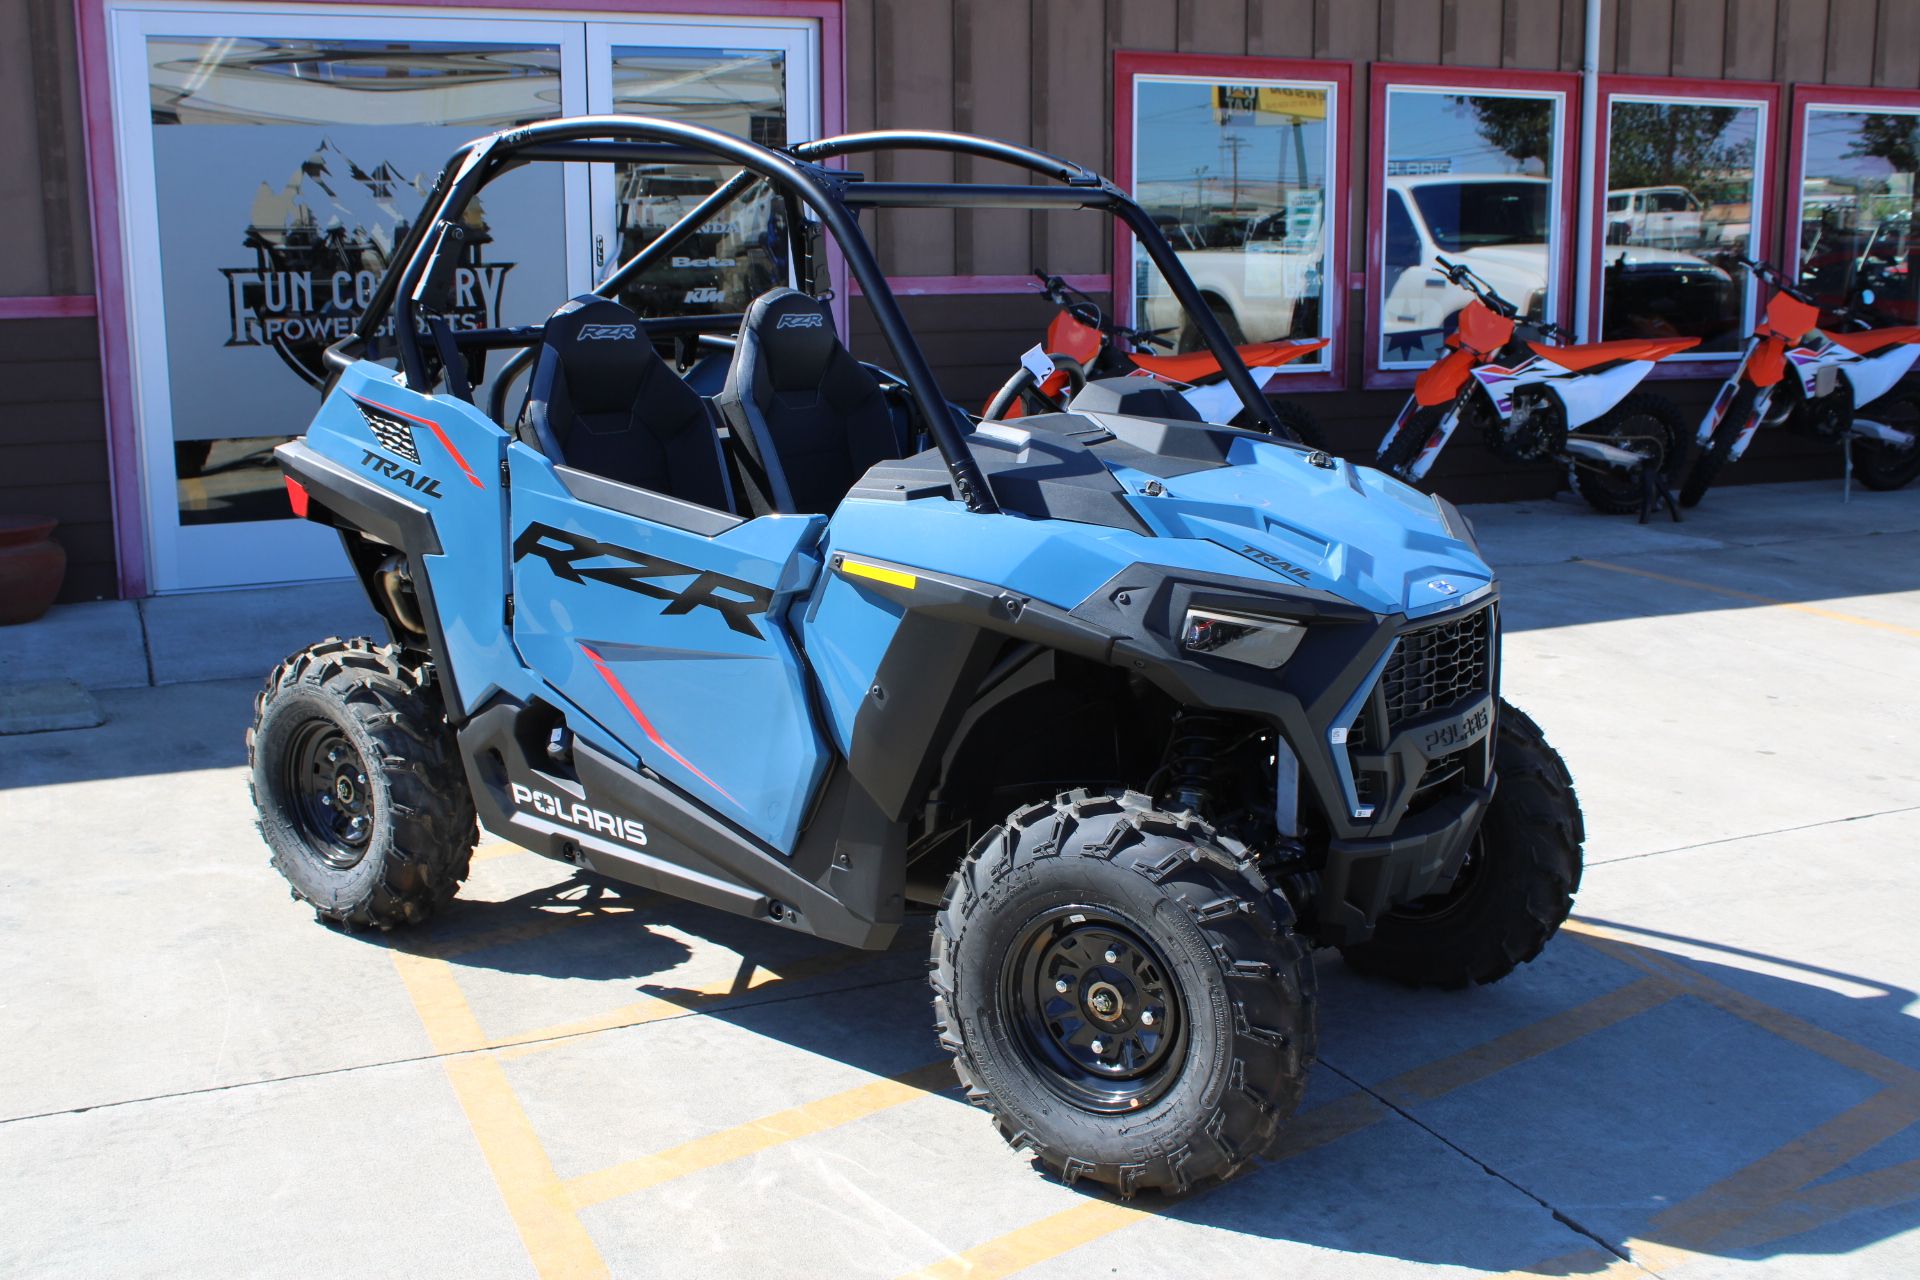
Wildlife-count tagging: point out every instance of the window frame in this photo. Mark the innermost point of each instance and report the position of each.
(1386, 76)
(1805, 98)
(1336, 76)
(1681, 91)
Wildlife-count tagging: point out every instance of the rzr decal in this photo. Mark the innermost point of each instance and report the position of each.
(608, 332)
(732, 599)
(800, 320)
(421, 483)
(394, 435)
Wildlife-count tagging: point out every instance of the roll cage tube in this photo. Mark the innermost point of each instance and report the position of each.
(1085, 189)
(606, 138)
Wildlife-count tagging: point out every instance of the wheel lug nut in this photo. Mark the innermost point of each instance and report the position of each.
(1113, 956)
(1062, 985)
(327, 801)
(362, 778)
(1146, 1017)
(1097, 1047)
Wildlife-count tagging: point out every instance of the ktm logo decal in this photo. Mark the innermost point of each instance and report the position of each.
(800, 320)
(635, 571)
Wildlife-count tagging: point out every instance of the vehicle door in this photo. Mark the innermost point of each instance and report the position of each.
(662, 622)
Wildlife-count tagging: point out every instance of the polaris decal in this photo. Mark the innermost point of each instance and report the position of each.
(394, 435)
(576, 814)
(421, 483)
(635, 571)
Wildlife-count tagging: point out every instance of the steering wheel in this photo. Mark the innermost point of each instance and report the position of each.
(1025, 388)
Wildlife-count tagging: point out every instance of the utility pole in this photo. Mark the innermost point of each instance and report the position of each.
(1233, 143)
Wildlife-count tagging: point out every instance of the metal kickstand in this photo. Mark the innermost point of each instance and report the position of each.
(1655, 494)
(1846, 470)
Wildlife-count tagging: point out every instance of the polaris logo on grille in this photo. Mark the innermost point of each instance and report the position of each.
(800, 320)
(576, 814)
(394, 435)
(607, 333)
(1444, 587)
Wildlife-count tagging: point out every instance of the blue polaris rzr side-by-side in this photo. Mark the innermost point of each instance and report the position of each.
(1143, 708)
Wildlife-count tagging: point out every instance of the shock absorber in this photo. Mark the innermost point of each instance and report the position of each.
(1193, 757)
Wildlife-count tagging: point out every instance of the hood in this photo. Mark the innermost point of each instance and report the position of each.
(1518, 261)
(1307, 519)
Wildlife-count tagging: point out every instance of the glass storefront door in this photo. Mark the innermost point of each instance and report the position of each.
(267, 176)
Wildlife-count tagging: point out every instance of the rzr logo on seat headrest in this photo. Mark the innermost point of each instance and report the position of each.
(606, 332)
(800, 320)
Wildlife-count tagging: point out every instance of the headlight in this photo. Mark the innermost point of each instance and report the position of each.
(1260, 642)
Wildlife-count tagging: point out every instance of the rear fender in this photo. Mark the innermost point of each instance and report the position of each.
(1875, 375)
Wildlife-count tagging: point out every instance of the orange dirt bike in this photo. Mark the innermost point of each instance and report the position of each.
(1533, 400)
(1083, 344)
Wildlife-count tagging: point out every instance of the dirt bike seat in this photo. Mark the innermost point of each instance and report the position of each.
(1191, 366)
(601, 400)
(1591, 355)
(808, 419)
(1868, 341)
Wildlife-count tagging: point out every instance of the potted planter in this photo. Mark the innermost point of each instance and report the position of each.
(32, 565)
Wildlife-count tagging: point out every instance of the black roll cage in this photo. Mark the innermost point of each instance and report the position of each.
(423, 261)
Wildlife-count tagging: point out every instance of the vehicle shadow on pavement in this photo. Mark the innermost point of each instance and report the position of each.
(1629, 1094)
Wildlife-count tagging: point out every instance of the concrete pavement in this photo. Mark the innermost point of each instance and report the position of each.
(1715, 1071)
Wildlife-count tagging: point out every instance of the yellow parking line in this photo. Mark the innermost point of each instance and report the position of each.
(1092, 1219)
(556, 1242)
(496, 849)
(1832, 615)
(1831, 1201)
(758, 1135)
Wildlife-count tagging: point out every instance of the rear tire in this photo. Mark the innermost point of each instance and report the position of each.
(1644, 423)
(1881, 466)
(358, 785)
(1141, 910)
(1707, 466)
(1514, 890)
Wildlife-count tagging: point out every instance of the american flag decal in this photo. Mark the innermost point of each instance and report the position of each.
(394, 435)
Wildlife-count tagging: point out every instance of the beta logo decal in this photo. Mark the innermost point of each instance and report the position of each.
(608, 333)
(684, 263)
(634, 571)
(421, 483)
(800, 320)
(584, 816)
(1275, 562)
(394, 435)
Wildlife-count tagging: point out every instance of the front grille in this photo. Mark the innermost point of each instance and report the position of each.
(1437, 666)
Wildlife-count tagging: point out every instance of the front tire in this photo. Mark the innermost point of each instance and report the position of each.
(1410, 440)
(1643, 423)
(1515, 888)
(358, 786)
(1707, 466)
(1123, 991)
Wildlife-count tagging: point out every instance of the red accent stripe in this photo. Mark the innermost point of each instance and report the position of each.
(646, 725)
(432, 426)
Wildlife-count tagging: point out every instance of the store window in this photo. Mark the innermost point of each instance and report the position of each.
(1859, 191)
(1686, 198)
(1471, 169)
(1239, 162)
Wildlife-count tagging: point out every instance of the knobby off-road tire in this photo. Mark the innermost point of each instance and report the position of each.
(1412, 437)
(1041, 900)
(1881, 466)
(390, 841)
(1648, 425)
(1707, 466)
(1515, 888)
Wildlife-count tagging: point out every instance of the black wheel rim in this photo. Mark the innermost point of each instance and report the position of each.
(1095, 1009)
(327, 792)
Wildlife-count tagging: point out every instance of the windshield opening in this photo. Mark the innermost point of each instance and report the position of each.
(1479, 215)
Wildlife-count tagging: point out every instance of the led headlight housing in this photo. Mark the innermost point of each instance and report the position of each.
(1259, 642)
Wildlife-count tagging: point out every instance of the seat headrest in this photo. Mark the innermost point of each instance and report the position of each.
(599, 344)
(796, 338)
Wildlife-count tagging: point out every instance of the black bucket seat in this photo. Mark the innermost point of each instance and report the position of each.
(602, 400)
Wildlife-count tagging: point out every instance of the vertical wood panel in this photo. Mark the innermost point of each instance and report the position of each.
(1212, 26)
(1347, 29)
(1471, 32)
(1531, 38)
(991, 96)
(913, 89)
(1749, 42)
(1645, 40)
(1074, 72)
(1850, 41)
(1898, 41)
(1573, 33)
(1139, 24)
(1281, 28)
(1410, 30)
(859, 72)
(1699, 38)
(1801, 53)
